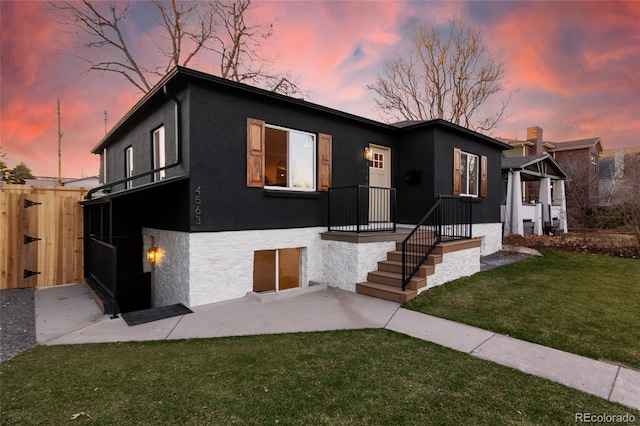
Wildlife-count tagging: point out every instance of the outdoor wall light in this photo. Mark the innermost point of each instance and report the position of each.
(154, 255)
(368, 155)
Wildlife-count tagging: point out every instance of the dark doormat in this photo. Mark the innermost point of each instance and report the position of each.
(155, 314)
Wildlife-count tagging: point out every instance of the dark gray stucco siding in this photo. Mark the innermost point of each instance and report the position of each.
(138, 135)
(415, 152)
(485, 210)
(218, 120)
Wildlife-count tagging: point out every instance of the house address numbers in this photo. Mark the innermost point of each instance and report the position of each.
(197, 200)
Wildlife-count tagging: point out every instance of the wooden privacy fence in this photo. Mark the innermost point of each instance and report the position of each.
(40, 236)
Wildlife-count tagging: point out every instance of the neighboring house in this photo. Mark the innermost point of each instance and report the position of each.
(579, 159)
(547, 214)
(617, 174)
(85, 182)
(238, 189)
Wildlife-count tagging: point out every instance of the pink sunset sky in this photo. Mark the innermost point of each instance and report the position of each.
(576, 64)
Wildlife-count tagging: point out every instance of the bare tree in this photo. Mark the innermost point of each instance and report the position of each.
(103, 28)
(627, 193)
(189, 28)
(448, 77)
(239, 46)
(183, 22)
(581, 188)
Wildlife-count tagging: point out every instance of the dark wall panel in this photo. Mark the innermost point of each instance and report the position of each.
(138, 134)
(485, 210)
(218, 121)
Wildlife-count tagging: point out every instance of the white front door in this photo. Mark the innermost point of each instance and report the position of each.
(379, 177)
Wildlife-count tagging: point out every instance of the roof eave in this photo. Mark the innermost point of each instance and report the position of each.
(151, 93)
(438, 121)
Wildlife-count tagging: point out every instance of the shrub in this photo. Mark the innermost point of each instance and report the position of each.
(610, 245)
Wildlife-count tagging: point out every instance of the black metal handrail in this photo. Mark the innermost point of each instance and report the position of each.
(362, 208)
(449, 219)
(103, 268)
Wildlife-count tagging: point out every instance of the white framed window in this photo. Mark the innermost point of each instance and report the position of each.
(158, 153)
(469, 174)
(290, 159)
(594, 163)
(277, 270)
(128, 166)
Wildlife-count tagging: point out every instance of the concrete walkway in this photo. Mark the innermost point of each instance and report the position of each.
(69, 315)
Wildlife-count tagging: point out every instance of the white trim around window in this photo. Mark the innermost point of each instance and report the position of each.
(290, 159)
(469, 174)
(159, 156)
(128, 166)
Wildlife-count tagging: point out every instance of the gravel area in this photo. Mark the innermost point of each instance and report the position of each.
(17, 322)
(500, 258)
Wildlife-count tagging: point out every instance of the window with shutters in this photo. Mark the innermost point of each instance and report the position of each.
(290, 157)
(469, 174)
(282, 158)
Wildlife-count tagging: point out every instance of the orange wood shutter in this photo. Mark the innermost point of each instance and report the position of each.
(483, 176)
(457, 183)
(255, 153)
(324, 162)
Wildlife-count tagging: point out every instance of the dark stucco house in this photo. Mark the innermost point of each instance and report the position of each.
(213, 189)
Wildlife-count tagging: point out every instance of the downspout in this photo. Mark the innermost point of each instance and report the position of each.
(178, 125)
(178, 138)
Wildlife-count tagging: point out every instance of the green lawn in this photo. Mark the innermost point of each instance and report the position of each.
(581, 303)
(344, 377)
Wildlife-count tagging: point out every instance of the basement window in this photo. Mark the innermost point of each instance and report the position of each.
(276, 270)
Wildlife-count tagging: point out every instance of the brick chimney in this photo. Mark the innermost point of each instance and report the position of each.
(534, 134)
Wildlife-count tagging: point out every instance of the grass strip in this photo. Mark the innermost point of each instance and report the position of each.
(581, 303)
(352, 377)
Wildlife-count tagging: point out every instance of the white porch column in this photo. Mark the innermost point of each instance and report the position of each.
(562, 199)
(544, 198)
(513, 219)
(537, 227)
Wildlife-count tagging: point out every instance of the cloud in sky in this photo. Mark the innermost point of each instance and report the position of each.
(576, 64)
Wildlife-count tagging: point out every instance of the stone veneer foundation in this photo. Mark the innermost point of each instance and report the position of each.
(207, 267)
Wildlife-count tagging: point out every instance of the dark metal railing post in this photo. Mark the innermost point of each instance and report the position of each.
(358, 208)
(393, 209)
(361, 208)
(113, 265)
(329, 209)
(450, 218)
(470, 218)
